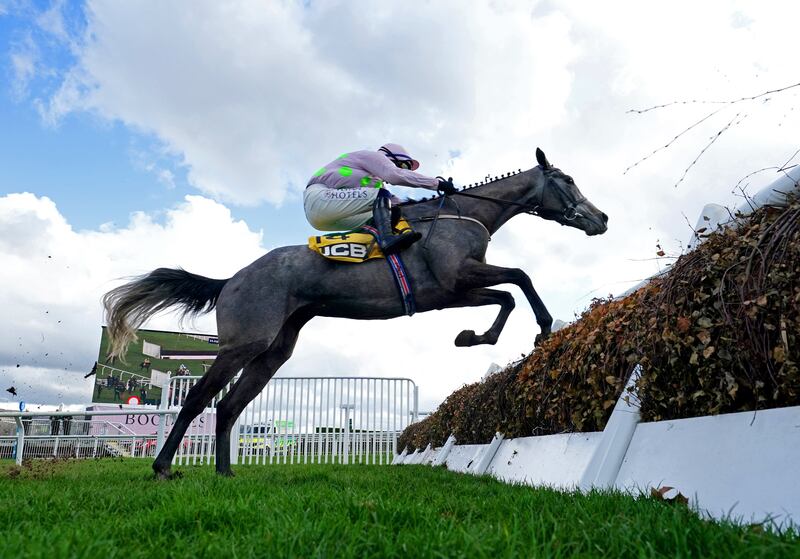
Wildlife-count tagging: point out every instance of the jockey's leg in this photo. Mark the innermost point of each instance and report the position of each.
(329, 209)
(382, 217)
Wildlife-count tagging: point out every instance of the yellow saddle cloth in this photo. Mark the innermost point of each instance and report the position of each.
(352, 246)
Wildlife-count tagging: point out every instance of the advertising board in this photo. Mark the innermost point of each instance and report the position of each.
(154, 357)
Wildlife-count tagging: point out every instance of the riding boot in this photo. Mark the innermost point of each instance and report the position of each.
(382, 217)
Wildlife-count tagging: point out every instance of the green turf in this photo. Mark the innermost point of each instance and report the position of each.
(113, 508)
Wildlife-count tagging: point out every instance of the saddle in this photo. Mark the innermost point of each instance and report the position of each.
(358, 245)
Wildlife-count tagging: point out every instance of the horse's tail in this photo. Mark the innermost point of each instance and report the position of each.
(129, 305)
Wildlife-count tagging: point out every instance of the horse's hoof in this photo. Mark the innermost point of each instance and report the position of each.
(166, 474)
(466, 338)
(163, 474)
(540, 338)
(225, 473)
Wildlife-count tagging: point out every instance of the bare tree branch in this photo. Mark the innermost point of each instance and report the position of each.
(700, 102)
(733, 122)
(708, 145)
(786, 166)
(665, 146)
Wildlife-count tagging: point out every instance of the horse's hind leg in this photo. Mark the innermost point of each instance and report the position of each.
(254, 378)
(479, 298)
(225, 366)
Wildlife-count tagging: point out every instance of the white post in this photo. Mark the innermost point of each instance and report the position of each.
(603, 467)
(415, 414)
(234, 442)
(162, 419)
(445, 451)
(425, 454)
(488, 455)
(346, 442)
(20, 439)
(399, 458)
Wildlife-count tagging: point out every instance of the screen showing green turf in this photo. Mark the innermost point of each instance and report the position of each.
(154, 357)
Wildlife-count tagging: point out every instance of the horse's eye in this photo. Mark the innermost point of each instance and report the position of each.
(569, 180)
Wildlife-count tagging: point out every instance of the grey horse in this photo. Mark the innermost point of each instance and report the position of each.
(261, 309)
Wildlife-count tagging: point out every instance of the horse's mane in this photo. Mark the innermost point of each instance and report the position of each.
(471, 186)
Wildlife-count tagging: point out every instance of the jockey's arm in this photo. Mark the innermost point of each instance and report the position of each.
(378, 165)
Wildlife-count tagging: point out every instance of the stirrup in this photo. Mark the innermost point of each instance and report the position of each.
(397, 243)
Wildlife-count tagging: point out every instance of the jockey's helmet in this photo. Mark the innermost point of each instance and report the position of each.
(400, 156)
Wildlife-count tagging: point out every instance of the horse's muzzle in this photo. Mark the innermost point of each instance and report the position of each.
(598, 224)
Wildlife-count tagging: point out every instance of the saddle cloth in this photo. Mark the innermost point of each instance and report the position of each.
(355, 246)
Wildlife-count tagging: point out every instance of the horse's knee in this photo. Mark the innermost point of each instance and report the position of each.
(507, 301)
(519, 277)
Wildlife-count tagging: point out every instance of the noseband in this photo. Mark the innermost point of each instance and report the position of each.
(570, 212)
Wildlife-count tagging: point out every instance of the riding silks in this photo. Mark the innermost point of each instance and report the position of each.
(358, 245)
(361, 245)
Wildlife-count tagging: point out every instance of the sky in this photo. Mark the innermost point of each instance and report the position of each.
(136, 135)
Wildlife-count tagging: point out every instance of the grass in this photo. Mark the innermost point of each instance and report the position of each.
(113, 508)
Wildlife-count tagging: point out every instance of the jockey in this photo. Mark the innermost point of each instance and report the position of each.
(345, 193)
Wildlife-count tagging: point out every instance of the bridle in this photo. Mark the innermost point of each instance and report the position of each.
(569, 213)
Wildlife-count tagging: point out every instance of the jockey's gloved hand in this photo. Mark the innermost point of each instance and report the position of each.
(446, 186)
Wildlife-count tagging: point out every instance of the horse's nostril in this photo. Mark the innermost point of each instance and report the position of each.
(605, 217)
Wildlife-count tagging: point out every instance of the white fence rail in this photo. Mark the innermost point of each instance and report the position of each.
(304, 419)
(294, 420)
(327, 419)
(66, 435)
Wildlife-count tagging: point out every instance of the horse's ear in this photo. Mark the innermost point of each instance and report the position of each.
(542, 159)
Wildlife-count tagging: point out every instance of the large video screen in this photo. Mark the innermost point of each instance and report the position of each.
(154, 358)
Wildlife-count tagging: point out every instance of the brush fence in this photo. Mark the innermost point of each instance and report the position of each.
(741, 466)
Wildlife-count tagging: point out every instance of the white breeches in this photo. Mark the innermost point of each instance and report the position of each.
(329, 209)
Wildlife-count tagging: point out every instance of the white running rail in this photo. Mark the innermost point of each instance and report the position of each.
(304, 419)
(60, 435)
(294, 420)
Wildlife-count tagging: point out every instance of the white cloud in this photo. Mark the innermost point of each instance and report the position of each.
(36, 384)
(52, 21)
(24, 59)
(252, 96)
(53, 276)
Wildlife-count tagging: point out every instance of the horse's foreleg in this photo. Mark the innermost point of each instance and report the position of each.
(478, 274)
(221, 372)
(479, 298)
(254, 378)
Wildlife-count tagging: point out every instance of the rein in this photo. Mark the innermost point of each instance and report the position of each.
(532, 209)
